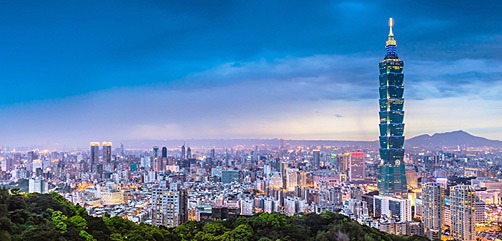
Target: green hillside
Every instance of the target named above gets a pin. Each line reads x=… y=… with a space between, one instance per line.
x=51 y=217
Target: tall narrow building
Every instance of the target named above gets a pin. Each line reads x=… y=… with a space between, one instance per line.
x=94 y=155
x=107 y=152
x=433 y=210
x=357 y=167
x=392 y=173
x=164 y=152
x=317 y=159
x=463 y=201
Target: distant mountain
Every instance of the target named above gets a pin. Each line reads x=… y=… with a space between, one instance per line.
x=448 y=139
x=451 y=139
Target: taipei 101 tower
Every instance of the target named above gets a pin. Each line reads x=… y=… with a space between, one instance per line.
x=392 y=173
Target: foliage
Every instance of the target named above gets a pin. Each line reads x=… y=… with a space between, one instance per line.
x=52 y=217
x=59 y=221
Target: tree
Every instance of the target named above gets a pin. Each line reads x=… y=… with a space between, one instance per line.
x=58 y=219
x=78 y=222
x=86 y=236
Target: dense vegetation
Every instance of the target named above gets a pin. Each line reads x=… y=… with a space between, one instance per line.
x=50 y=217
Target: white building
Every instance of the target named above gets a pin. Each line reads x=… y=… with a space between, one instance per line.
x=246 y=207
x=38 y=185
x=396 y=209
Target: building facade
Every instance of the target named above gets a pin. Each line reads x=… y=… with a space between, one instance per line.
x=463 y=201
x=391 y=174
x=169 y=205
x=107 y=152
x=395 y=209
x=94 y=155
x=433 y=210
x=357 y=168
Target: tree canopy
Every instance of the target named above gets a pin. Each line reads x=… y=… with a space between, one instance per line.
x=51 y=217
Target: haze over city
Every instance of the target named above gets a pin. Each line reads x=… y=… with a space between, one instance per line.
x=75 y=73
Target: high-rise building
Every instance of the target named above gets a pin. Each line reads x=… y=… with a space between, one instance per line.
x=480 y=211
x=94 y=155
x=213 y=154
x=291 y=178
x=391 y=174
x=155 y=152
x=107 y=152
x=357 y=167
x=317 y=159
x=183 y=152
x=433 y=210
x=343 y=162
x=463 y=201
x=164 y=152
x=189 y=153
x=170 y=205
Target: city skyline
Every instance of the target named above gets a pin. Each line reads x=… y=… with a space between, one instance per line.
x=189 y=71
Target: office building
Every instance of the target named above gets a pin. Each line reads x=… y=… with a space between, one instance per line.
x=433 y=210
x=107 y=152
x=316 y=163
x=94 y=155
x=357 y=167
x=229 y=176
x=463 y=201
x=391 y=174
x=164 y=152
x=155 y=152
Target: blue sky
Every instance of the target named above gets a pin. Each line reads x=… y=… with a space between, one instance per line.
x=118 y=70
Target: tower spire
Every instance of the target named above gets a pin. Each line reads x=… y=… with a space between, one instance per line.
x=391 y=40
x=391 y=23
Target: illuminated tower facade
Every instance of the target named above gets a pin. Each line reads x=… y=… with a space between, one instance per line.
x=94 y=155
x=392 y=173
x=107 y=152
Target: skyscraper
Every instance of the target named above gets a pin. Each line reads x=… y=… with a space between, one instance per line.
x=433 y=210
x=183 y=152
x=107 y=152
x=357 y=167
x=155 y=151
x=463 y=201
x=189 y=153
x=94 y=155
x=317 y=159
x=164 y=152
x=392 y=173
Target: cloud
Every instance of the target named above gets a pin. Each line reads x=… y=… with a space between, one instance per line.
x=293 y=97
